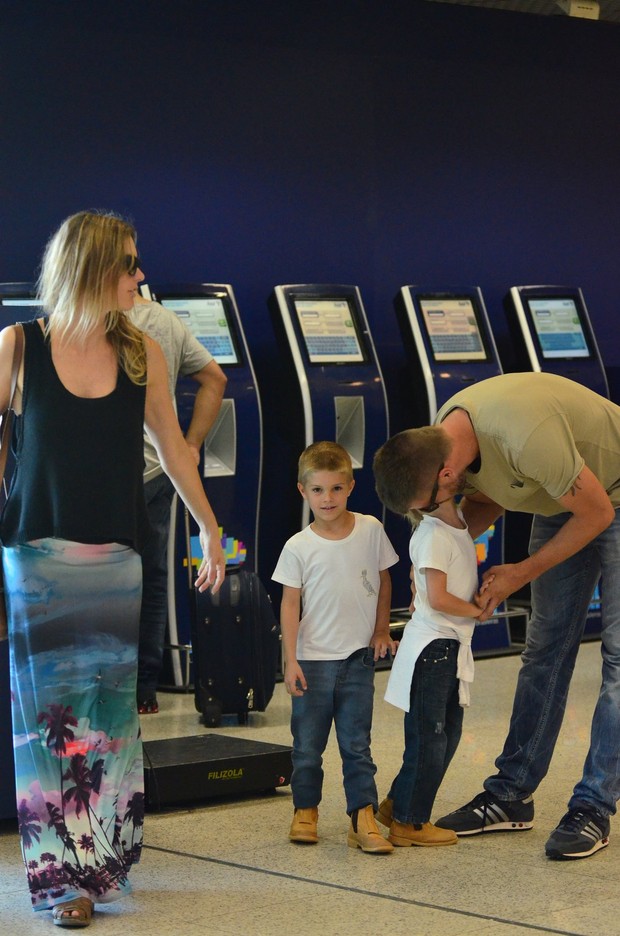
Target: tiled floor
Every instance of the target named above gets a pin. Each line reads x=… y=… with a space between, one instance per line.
x=227 y=868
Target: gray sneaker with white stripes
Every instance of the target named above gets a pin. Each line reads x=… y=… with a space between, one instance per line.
x=487 y=814
x=580 y=833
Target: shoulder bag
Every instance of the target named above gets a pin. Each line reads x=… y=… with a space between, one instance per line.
x=5 y=441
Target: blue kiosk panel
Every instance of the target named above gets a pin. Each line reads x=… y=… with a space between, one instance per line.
x=327 y=386
x=231 y=462
x=552 y=332
x=450 y=343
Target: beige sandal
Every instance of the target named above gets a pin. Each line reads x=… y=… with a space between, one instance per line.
x=62 y=914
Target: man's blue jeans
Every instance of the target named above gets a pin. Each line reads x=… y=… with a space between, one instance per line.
x=560 y=601
x=433 y=728
x=154 y=612
x=339 y=691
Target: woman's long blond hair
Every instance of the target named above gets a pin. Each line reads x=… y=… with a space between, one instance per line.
x=80 y=270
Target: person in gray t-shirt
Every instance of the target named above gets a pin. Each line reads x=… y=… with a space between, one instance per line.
x=187 y=357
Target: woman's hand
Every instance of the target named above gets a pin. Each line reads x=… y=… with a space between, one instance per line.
x=212 y=569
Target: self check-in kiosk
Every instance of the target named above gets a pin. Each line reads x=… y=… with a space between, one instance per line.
x=325 y=385
x=231 y=462
x=450 y=344
x=552 y=332
x=17 y=304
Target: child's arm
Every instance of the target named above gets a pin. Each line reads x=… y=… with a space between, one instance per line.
x=440 y=599
x=381 y=640
x=289 y=622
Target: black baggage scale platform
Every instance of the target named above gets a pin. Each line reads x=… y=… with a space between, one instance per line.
x=180 y=771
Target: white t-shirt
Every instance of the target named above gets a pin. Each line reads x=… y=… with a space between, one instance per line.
x=184 y=355
x=436 y=545
x=339 y=581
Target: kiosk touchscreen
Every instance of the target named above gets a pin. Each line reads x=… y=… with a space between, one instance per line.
x=327 y=386
x=450 y=345
x=552 y=332
x=231 y=462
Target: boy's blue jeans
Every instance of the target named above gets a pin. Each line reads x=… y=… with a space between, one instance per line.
x=339 y=691
x=560 y=601
x=433 y=728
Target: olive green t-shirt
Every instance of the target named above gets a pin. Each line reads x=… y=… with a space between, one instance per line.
x=536 y=431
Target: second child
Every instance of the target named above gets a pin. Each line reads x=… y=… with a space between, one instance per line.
x=335 y=626
x=432 y=670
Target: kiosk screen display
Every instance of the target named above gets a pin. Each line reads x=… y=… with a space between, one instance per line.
x=207 y=319
x=453 y=329
x=329 y=332
x=558 y=327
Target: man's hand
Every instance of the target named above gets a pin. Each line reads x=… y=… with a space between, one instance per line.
x=498 y=583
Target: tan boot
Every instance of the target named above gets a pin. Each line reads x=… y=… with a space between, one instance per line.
x=364 y=833
x=424 y=834
x=304 y=825
x=384 y=812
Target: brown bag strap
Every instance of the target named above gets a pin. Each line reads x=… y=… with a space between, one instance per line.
x=7 y=416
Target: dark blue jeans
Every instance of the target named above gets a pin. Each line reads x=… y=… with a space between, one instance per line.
x=154 y=611
x=339 y=691
x=433 y=728
x=560 y=601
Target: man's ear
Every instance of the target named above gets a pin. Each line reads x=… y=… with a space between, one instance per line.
x=300 y=488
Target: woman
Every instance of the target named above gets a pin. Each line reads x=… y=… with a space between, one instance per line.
x=72 y=530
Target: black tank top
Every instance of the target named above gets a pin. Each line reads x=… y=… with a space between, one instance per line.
x=79 y=461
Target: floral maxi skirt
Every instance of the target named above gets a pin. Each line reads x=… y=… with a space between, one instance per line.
x=73 y=613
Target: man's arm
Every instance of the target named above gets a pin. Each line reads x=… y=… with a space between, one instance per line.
x=479 y=512
x=591 y=513
x=212 y=380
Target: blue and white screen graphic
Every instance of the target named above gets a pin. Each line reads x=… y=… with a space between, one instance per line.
x=206 y=319
x=329 y=331
x=559 y=328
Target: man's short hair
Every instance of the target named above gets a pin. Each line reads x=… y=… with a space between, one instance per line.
x=324 y=456
x=407 y=465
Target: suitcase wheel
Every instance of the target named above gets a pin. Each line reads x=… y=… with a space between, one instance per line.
x=212 y=714
x=210 y=708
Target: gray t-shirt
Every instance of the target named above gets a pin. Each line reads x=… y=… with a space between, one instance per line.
x=536 y=431
x=184 y=355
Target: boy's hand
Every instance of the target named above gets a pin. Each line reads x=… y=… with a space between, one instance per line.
x=382 y=644
x=294 y=679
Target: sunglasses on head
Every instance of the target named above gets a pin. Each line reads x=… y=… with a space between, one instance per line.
x=132 y=263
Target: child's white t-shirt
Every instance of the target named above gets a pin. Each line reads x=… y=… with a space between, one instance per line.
x=436 y=545
x=339 y=581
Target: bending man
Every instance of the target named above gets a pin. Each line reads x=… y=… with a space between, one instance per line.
x=539 y=444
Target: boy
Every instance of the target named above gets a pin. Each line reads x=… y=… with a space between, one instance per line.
x=335 y=625
x=433 y=668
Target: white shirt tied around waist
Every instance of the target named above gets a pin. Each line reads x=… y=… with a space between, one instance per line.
x=416 y=637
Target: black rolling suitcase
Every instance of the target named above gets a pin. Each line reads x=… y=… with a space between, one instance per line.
x=235 y=648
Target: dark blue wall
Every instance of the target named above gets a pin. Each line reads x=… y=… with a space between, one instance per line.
x=359 y=141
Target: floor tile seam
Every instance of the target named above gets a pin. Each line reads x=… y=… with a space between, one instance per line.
x=359 y=891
